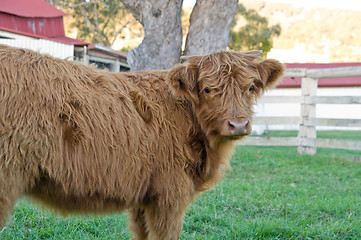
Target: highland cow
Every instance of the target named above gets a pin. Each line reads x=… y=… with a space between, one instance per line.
x=82 y=140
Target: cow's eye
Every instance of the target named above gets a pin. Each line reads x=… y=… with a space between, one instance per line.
x=251 y=88
x=207 y=90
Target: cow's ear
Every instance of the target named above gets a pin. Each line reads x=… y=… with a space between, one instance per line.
x=270 y=71
x=182 y=80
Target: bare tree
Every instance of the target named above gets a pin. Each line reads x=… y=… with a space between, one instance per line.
x=210 y=25
x=162 y=44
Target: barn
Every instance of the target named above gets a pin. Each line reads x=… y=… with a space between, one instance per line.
x=37 y=25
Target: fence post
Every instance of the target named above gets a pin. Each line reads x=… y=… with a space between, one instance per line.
x=307 y=130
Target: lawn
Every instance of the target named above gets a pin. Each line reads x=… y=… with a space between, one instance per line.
x=270 y=193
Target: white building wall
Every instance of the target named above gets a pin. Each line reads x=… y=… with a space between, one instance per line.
x=55 y=49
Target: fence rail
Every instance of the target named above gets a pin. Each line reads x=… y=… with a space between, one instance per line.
x=311 y=99
x=295 y=142
x=307 y=141
x=323 y=72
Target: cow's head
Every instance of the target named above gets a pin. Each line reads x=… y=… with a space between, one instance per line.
x=223 y=88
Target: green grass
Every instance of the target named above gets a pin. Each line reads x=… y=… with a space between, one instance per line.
x=275 y=193
x=270 y=193
x=30 y=221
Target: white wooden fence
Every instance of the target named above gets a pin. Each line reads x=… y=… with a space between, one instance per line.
x=307 y=141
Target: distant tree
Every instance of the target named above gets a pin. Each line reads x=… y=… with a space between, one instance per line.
x=97 y=21
x=60 y=3
x=254 y=33
x=55 y=3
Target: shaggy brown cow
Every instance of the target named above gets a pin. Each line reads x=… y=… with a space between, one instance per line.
x=83 y=140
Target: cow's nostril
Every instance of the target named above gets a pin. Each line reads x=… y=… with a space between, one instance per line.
x=231 y=126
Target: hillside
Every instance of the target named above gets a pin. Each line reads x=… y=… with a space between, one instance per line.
x=312 y=35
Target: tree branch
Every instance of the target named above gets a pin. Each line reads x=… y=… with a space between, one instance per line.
x=116 y=33
x=210 y=24
x=136 y=7
x=90 y=26
x=82 y=4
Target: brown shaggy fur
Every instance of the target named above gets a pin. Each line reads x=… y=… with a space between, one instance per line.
x=82 y=140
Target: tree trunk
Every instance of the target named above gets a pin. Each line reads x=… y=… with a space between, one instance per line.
x=161 y=46
x=210 y=25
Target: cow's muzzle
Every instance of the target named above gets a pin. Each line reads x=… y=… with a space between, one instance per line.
x=239 y=127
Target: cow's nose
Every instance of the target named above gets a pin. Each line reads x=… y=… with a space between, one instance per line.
x=239 y=127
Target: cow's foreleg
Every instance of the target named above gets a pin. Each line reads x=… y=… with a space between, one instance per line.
x=11 y=187
x=6 y=205
x=138 y=224
x=163 y=223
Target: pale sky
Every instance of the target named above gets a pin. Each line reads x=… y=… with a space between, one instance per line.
x=342 y=4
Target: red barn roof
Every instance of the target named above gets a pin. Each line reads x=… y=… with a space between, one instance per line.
x=29 y=8
x=288 y=82
x=34 y=18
